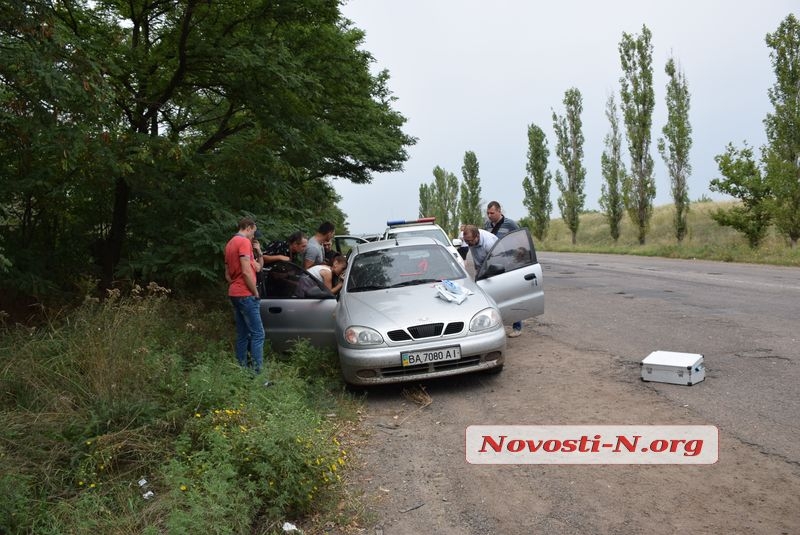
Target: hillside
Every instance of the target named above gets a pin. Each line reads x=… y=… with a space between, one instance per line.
x=706 y=239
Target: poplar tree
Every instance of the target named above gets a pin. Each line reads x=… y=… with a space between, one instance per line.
x=782 y=154
x=536 y=183
x=425 y=201
x=469 y=207
x=638 y=101
x=443 y=200
x=569 y=149
x=613 y=170
x=674 y=147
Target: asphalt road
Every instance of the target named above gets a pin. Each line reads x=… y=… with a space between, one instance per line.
x=744 y=319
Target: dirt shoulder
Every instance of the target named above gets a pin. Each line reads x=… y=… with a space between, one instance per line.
x=411 y=475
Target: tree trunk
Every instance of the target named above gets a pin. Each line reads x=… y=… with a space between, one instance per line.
x=112 y=246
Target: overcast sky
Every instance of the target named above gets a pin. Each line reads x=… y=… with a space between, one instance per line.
x=472 y=75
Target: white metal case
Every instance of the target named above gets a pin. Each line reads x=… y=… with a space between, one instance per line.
x=675 y=368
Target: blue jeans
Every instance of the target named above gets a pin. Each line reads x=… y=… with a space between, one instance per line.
x=517 y=326
x=249 y=331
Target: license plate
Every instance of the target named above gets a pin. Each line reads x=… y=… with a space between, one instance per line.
x=412 y=358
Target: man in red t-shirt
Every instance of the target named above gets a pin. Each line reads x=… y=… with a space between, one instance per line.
x=244 y=295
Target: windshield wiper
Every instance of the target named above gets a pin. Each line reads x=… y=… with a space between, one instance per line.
x=366 y=288
x=414 y=282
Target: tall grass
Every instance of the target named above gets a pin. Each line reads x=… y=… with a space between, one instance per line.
x=706 y=239
x=145 y=388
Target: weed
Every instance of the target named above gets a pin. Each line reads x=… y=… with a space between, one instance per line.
x=142 y=387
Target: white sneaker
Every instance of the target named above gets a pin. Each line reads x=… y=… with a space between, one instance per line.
x=514 y=333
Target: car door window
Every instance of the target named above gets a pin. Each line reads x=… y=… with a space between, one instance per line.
x=345 y=244
x=284 y=280
x=513 y=251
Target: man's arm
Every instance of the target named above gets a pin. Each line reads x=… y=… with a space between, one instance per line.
x=249 y=276
x=270 y=258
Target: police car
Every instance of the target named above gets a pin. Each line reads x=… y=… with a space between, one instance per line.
x=425 y=227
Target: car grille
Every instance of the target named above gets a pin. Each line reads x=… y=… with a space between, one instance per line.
x=394 y=371
x=427 y=330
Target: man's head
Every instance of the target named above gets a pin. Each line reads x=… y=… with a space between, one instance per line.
x=494 y=212
x=297 y=242
x=326 y=230
x=471 y=235
x=247 y=227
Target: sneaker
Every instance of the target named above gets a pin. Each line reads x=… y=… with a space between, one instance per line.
x=514 y=333
x=269 y=383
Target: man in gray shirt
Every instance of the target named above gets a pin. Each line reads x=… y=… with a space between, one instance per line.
x=315 y=251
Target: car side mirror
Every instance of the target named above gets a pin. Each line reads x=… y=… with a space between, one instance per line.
x=456 y=243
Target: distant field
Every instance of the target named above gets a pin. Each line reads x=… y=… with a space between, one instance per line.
x=706 y=239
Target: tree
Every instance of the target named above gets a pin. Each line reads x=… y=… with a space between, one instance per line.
x=783 y=128
x=425 y=200
x=639 y=188
x=613 y=170
x=536 y=183
x=744 y=181
x=674 y=147
x=121 y=120
x=469 y=206
x=444 y=194
x=569 y=149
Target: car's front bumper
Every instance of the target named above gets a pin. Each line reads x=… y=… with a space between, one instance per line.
x=381 y=365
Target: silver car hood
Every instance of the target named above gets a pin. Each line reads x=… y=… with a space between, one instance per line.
x=398 y=308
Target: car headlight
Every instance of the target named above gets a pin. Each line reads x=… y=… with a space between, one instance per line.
x=362 y=336
x=485 y=319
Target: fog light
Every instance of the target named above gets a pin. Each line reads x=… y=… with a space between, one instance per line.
x=494 y=355
x=367 y=374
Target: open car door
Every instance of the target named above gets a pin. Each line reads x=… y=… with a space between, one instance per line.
x=295 y=305
x=512 y=276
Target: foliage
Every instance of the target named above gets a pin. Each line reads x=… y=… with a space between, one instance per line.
x=569 y=149
x=536 y=183
x=638 y=101
x=783 y=128
x=469 y=205
x=674 y=147
x=440 y=198
x=142 y=387
x=425 y=200
x=613 y=170
x=122 y=120
x=744 y=181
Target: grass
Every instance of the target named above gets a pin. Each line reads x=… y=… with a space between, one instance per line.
x=144 y=388
x=705 y=240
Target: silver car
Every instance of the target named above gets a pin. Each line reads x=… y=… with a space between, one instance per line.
x=392 y=322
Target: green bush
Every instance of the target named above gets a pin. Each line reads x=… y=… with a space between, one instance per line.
x=142 y=387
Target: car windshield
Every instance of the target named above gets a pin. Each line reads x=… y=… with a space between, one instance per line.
x=431 y=232
x=401 y=266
